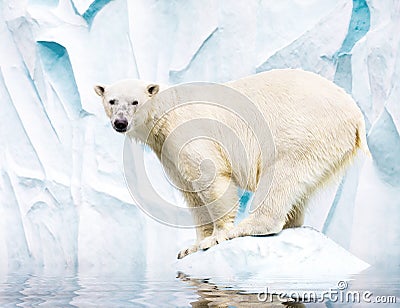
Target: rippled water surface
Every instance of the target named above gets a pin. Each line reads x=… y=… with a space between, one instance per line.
x=32 y=291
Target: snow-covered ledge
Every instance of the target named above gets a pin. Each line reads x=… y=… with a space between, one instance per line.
x=253 y=264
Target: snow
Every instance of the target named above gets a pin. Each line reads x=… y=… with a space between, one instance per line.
x=253 y=263
x=64 y=203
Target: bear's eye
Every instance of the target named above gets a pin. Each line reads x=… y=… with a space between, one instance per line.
x=135 y=102
x=112 y=102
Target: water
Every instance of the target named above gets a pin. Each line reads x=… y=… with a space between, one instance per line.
x=181 y=291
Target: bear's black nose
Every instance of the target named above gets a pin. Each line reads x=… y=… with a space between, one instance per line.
x=121 y=125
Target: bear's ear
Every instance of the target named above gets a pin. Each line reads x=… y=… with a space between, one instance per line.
x=99 y=90
x=152 y=89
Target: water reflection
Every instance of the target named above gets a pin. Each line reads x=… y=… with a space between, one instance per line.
x=181 y=291
x=28 y=291
x=211 y=295
x=33 y=291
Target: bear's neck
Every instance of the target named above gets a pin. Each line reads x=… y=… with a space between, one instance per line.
x=155 y=130
x=153 y=133
x=158 y=133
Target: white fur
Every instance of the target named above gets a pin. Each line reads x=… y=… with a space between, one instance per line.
x=316 y=127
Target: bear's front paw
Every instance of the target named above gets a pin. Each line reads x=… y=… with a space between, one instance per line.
x=184 y=252
x=213 y=240
x=234 y=233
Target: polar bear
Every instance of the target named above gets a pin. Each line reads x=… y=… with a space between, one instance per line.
x=316 y=128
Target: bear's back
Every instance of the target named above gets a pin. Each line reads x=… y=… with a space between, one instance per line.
x=292 y=98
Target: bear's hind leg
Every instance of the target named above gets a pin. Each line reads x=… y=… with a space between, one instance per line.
x=295 y=218
x=273 y=207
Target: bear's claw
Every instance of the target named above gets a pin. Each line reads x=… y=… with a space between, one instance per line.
x=184 y=252
x=205 y=244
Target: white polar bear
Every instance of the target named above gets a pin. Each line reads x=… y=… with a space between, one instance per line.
x=316 y=129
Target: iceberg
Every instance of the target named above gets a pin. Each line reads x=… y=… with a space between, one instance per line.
x=256 y=263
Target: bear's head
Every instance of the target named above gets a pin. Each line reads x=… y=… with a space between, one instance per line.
x=123 y=100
